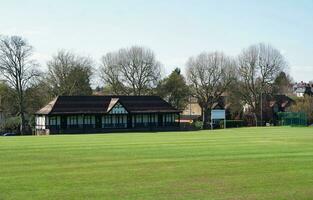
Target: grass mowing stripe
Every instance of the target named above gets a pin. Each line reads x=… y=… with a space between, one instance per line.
x=245 y=163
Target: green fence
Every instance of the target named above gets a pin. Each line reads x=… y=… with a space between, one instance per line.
x=292 y=119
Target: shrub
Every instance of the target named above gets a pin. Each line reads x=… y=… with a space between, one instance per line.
x=304 y=104
x=11 y=124
x=198 y=125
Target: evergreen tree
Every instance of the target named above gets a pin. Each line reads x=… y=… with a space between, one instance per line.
x=174 y=89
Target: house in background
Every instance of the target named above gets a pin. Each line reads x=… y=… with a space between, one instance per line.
x=193 y=110
x=84 y=114
x=271 y=106
x=302 y=88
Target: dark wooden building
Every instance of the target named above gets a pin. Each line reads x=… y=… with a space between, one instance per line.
x=85 y=114
x=274 y=104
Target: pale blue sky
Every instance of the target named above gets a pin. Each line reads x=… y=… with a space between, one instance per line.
x=173 y=29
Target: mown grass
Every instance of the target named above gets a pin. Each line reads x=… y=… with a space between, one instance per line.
x=247 y=163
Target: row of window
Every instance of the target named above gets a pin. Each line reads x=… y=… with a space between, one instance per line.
x=141 y=118
x=93 y=126
x=109 y=119
x=169 y=118
x=71 y=120
x=114 y=119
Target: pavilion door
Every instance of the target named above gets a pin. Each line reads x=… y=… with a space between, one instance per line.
x=129 y=121
x=98 y=121
x=160 y=120
x=63 y=122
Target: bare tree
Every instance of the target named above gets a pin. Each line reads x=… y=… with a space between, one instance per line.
x=18 y=69
x=110 y=73
x=258 y=67
x=210 y=74
x=69 y=74
x=131 y=71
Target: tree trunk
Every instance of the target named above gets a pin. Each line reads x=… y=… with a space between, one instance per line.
x=206 y=120
x=21 y=111
x=22 y=126
x=255 y=118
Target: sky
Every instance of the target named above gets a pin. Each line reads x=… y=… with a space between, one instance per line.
x=173 y=29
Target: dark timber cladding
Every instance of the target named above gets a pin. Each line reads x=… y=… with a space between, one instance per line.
x=78 y=114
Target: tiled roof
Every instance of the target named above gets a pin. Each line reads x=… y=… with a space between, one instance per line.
x=281 y=100
x=300 y=90
x=48 y=107
x=101 y=104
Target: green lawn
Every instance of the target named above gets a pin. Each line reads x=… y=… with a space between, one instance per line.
x=247 y=163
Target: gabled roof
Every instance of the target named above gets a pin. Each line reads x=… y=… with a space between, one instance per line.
x=281 y=100
x=112 y=103
x=103 y=104
x=47 y=109
x=300 y=90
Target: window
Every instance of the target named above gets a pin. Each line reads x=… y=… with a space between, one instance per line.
x=118 y=109
x=53 y=120
x=72 y=120
x=139 y=119
x=120 y=119
x=87 y=119
x=169 y=118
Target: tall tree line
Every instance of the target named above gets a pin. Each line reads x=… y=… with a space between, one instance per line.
x=130 y=71
x=18 y=70
x=257 y=70
x=210 y=75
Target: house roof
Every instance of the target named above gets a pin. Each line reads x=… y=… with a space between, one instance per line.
x=281 y=100
x=47 y=109
x=300 y=90
x=103 y=104
x=112 y=103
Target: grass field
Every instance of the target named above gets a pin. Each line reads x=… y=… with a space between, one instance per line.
x=248 y=163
